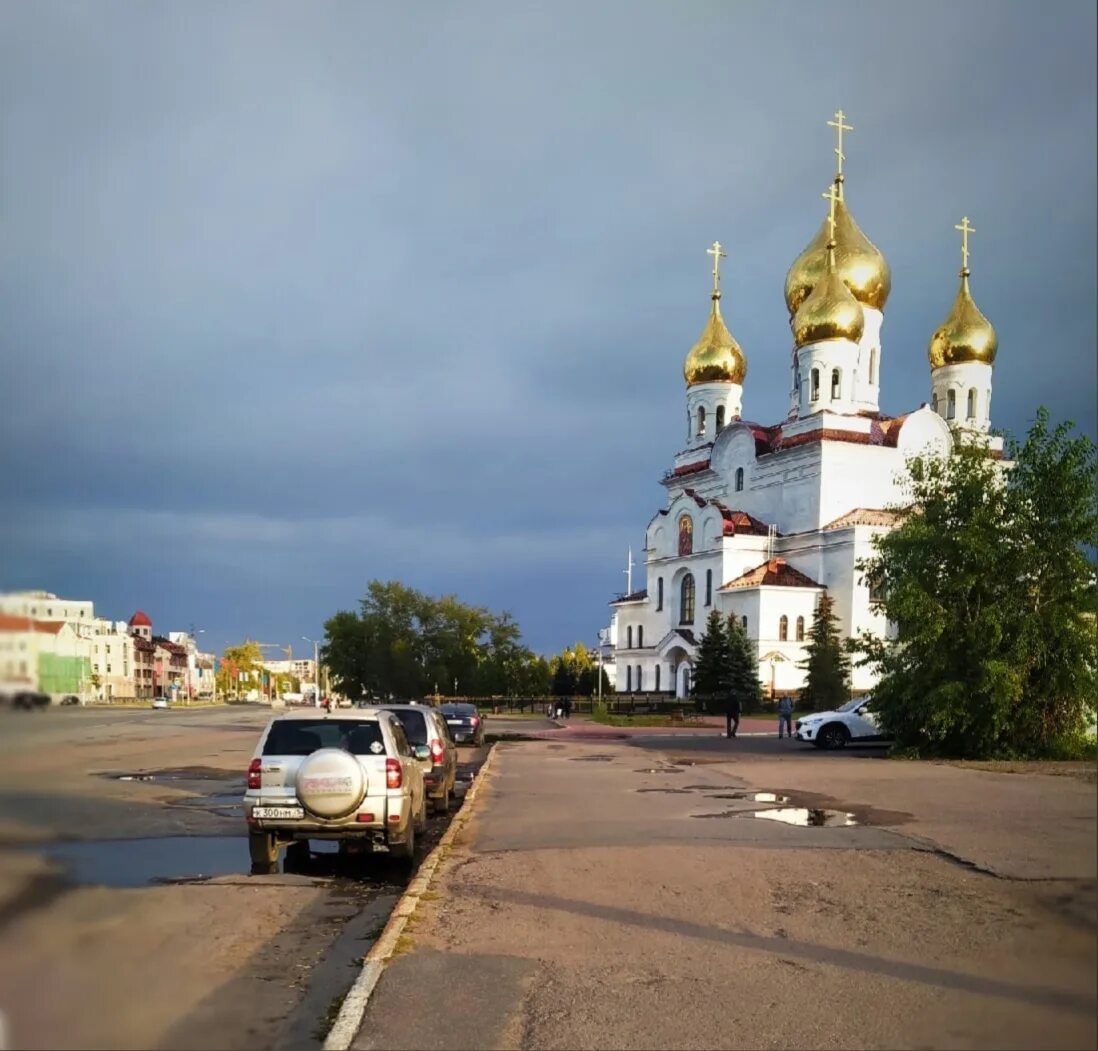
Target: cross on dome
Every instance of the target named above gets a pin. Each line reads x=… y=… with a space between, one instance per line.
x=718 y=254
x=965 y=231
x=840 y=126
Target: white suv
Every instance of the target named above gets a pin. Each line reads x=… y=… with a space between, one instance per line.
x=349 y=776
x=854 y=721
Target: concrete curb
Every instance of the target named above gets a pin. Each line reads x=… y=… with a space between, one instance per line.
x=353 y=1009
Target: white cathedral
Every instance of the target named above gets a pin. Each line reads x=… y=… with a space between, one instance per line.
x=762 y=520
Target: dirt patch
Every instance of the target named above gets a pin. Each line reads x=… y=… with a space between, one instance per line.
x=1086 y=772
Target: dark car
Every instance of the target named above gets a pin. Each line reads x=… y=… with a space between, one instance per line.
x=30 y=699
x=465 y=723
x=433 y=746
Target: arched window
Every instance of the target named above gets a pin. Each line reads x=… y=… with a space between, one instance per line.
x=739 y=479
x=640 y=636
x=709 y=587
x=659 y=593
x=934 y=402
x=744 y=622
x=800 y=629
x=629 y=637
x=987 y=404
x=836 y=384
x=951 y=404
x=629 y=677
x=640 y=678
x=972 y=403
x=815 y=384
x=657 y=677
x=686 y=535
x=873 y=365
x=701 y=420
x=783 y=628
x=720 y=418
x=686 y=604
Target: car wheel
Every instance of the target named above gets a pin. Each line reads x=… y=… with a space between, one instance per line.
x=834 y=736
x=442 y=806
x=421 y=818
x=298 y=856
x=263 y=848
x=405 y=852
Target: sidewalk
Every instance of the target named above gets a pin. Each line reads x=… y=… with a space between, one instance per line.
x=587 y=906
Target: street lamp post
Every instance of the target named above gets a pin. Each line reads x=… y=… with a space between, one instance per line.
x=316 y=668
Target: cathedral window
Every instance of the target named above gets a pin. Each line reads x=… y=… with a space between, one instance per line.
x=686 y=605
x=815 y=384
x=659 y=593
x=701 y=420
x=720 y=418
x=951 y=404
x=876 y=590
x=629 y=677
x=783 y=628
x=709 y=587
x=873 y=365
x=629 y=637
x=836 y=384
x=743 y=620
x=640 y=678
x=657 y=676
x=640 y=636
x=686 y=535
x=934 y=402
x=972 y=403
x=800 y=629
x=739 y=479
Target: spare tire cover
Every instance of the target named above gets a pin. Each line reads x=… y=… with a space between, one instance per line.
x=331 y=783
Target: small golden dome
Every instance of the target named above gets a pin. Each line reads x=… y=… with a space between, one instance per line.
x=716 y=357
x=858 y=262
x=830 y=311
x=965 y=335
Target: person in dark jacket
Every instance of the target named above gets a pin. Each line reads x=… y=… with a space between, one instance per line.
x=731 y=714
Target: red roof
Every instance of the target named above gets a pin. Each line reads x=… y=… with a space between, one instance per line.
x=690 y=468
x=10 y=622
x=143 y=644
x=777 y=573
x=140 y=620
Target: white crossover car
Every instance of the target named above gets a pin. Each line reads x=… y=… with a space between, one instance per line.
x=345 y=776
x=853 y=722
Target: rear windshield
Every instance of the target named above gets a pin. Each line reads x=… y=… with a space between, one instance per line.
x=414 y=723
x=305 y=736
x=464 y=710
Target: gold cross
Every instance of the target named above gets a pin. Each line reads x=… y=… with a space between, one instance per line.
x=833 y=196
x=965 y=231
x=840 y=127
x=717 y=255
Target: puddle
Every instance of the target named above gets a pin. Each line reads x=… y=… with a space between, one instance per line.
x=591 y=759
x=184 y=773
x=139 y=862
x=807 y=818
x=751 y=797
x=669 y=791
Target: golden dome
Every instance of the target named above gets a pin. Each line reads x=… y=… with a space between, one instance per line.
x=716 y=357
x=829 y=311
x=965 y=335
x=858 y=262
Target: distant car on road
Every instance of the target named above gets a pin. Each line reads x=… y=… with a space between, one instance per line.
x=434 y=747
x=347 y=776
x=853 y=722
x=160 y=702
x=70 y=699
x=465 y=723
x=30 y=699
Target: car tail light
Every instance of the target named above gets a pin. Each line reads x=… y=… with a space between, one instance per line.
x=255 y=773
x=365 y=818
x=394 y=774
x=476 y=720
x=437 y=751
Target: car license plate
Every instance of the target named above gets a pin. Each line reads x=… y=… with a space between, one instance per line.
x=454 y=722
x=261 y=813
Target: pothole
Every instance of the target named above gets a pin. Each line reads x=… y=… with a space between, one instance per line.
x=668 y=791
x=591 y=758
x=139 y=862
x=805 y=817
x=753 y=797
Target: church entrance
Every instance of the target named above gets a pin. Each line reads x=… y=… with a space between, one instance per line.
x=682 y=680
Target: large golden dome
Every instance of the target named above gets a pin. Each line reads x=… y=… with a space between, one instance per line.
x=858 y=262
x=829 y=311
x=716 y=357
x=965 y=335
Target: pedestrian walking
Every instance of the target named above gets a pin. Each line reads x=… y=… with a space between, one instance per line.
x=785 y=716
x=731 y=714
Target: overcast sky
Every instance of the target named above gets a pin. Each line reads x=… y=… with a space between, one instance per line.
x=293 y=296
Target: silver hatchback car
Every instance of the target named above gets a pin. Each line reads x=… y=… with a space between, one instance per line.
x=433 y=746
x=349 y=776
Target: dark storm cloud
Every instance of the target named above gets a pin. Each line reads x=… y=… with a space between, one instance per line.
x=297 y=296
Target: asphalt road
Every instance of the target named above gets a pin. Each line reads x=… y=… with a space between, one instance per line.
x=127 y=914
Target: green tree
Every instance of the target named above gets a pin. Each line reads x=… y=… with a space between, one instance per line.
x=743 y=667
x=826 y=665
x=988 y=583
x=564 y=679
x=712 y=667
